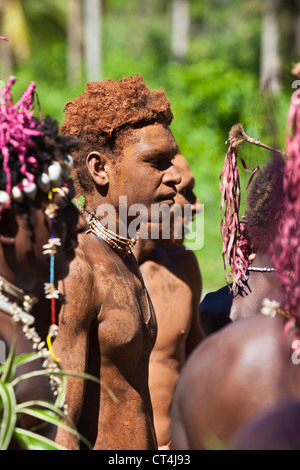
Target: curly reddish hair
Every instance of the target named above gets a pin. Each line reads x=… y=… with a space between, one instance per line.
x=103 y=117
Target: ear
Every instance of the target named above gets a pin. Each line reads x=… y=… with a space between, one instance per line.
x=98 y=165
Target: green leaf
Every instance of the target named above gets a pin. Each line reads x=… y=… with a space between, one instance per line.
x=9 y=416
x=51 y=415
x=32 y=441
x=23 y=359
x=60 y=400
x=9 y=367
x=40 y=403
x=45 y=415
x=51 y=372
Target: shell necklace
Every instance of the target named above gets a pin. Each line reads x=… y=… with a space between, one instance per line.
x=125 y=247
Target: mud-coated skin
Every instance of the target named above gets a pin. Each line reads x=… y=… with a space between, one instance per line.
x=102 y=330
x=173 y=280
x=234 y=374
x=108 y=321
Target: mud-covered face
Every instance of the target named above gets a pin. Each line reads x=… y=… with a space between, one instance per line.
x=146 y=174
x=185 y=201
x=171 y=230
x=185 y=190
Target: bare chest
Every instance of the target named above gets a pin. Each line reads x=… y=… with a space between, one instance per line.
x=172 y=300
x=126 y=320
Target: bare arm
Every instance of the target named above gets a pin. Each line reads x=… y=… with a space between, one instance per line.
x=71 y=344
x=195 y=335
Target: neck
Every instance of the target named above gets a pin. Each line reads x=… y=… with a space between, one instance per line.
x=119 y=243
x=266 y=277
x=109 y=215
x=262 y=261
x=144 y=249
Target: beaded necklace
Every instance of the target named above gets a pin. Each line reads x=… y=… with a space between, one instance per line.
x=122 y=244
x=125 y=247
x=261 y=270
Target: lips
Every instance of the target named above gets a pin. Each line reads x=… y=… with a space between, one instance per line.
x=168 y=198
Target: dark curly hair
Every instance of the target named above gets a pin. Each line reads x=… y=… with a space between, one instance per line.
x=264 y=205
x=45 y=148
x=104 y=115
x=51 y=145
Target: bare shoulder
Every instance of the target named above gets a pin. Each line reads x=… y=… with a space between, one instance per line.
x=80 y=268
x=215 y=391
x=229 y=360
x=78 y=289
x=188 y=263
x=235 y=346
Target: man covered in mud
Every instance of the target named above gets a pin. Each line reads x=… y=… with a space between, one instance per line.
x=108 y=327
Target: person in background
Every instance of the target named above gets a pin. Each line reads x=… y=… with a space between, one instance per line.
x=264 y=206
x=38 y=223
x=250 y=368
x=173 y=279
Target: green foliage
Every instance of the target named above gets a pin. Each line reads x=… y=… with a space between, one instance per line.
x=46 y=412
x=216 y=86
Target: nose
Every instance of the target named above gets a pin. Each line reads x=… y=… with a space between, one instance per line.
x=172 y=175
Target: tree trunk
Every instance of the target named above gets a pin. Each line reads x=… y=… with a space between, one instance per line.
x=180 y=28
x=297 y=35
x=294 y=9
x=74 y=41
x=6 y=57
x=93 y=39
x=270 y=61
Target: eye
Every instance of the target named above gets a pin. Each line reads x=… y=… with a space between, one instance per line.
x=154 y=162
x=161 y=163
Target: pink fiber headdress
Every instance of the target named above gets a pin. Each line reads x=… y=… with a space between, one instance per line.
x=236 y=249
x=17 y=126
x=286 y=249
